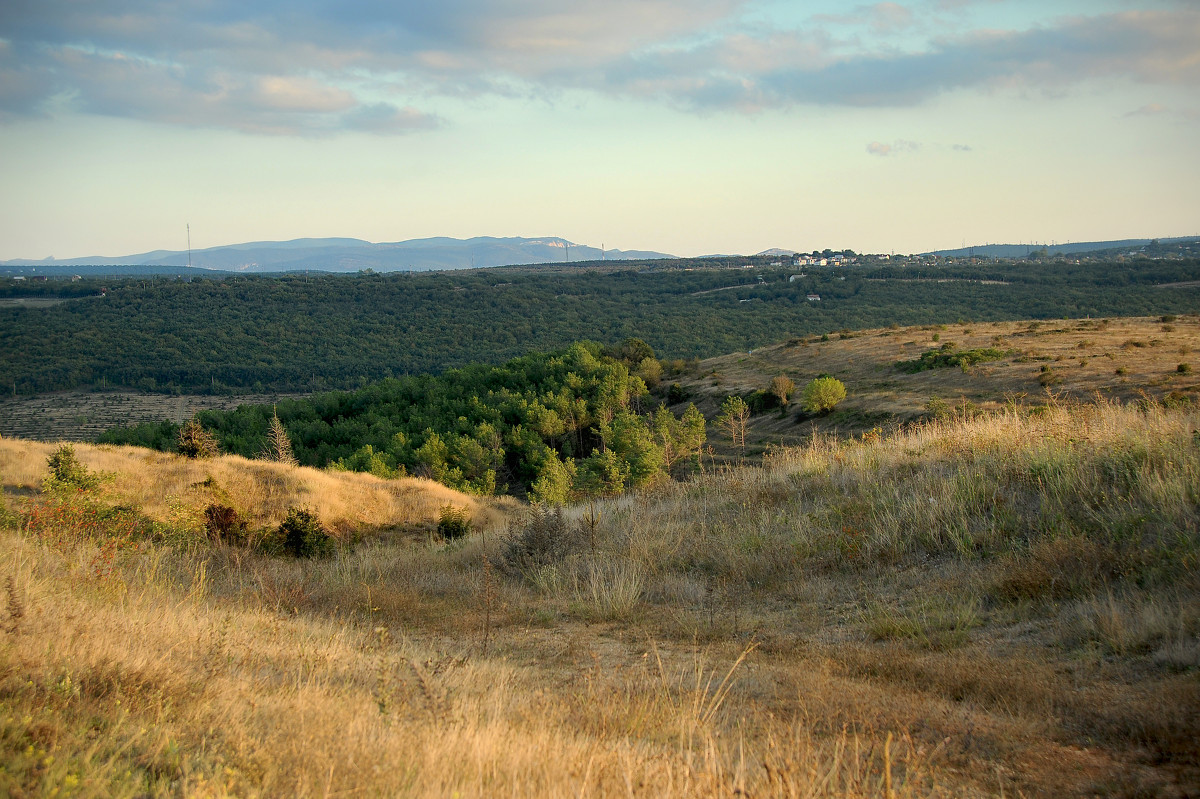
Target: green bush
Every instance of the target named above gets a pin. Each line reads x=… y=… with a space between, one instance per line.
x=948 y=355
x=453 y=522
x=938 y=408
x=822 y=395
x=67 y=471
x=1183 y=368
x=303 y=535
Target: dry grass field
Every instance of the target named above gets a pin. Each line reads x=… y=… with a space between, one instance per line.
x=1004 y=604
x=1121 y=359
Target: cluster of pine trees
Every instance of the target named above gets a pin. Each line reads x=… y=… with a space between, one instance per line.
x=550 y=425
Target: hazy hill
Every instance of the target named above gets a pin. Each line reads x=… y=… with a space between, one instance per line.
x=352 y=255
x=1060 y=248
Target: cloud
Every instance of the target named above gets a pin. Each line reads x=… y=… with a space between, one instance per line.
x=314 y=67
x=282 y=66
x=1149 y=110
x=895 y=148
x=140 y=88
x=1160 y=110
x=383 y=118
x=1149 y=47
x=879 y=18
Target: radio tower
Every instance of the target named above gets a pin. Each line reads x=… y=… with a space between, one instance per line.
x=189 y=227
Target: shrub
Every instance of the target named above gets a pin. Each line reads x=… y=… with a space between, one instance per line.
x=822 y=395
x=544 y=540
x=1059 y=568
x=938 y=408
x=66 y=470
x=1183 y=368
x=196 y=442
x=760 y=401
x=1177 y=400
x=303 y=535
x=948 y=355
x=224 y=524
x=781 y=387
x=453 y=522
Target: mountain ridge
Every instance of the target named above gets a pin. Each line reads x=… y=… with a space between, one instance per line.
x=351 y=255
x=1061 y=248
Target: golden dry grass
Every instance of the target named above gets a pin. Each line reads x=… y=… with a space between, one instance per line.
x=171 y=488
x=1120 y=359
x=158 y=682
x=1005 y=605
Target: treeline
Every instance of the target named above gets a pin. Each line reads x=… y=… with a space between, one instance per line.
x=295 y=333
x=568 y=423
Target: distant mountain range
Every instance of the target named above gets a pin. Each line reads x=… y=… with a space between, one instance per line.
x=352 y=255
x=1069 y=248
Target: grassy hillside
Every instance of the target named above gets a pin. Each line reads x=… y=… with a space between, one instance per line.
x=173 y=491
x=1121 y=359
x=980 y=606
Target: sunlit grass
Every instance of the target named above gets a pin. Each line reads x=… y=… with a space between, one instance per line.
x=985 y=605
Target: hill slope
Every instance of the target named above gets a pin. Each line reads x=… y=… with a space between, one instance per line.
x=1004 y=605
x=173 y=490
x=1058 y=248
x=1124 y=359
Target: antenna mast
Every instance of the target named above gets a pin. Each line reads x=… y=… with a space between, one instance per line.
x=189 y=227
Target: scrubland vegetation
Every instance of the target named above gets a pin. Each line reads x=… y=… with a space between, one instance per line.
x=296 y=333
x=1002 y=603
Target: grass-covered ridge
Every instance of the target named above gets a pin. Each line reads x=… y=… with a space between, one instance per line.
x=1004 y=604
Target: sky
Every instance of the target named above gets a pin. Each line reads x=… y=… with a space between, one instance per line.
x=689 y=127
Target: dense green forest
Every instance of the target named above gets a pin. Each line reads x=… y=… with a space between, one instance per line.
x=553 y=425
x=306 y=333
